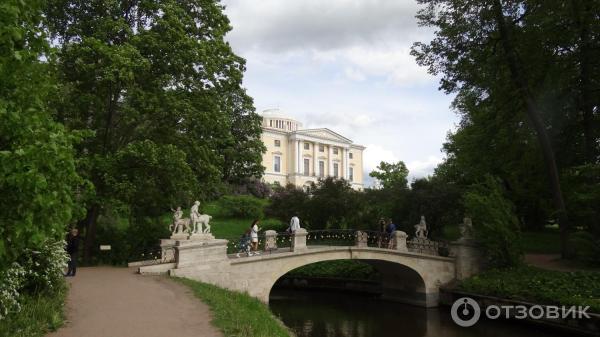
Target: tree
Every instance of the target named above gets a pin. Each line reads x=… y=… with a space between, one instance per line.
x=527 y=62
x=38 y=179
x=159 y=71
x=391 y=175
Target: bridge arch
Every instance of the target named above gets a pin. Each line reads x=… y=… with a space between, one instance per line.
x=407 y=277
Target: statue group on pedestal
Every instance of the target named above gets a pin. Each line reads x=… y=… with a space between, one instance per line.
x=197 y=223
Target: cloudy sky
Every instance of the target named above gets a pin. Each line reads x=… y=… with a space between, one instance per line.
x=345 y=65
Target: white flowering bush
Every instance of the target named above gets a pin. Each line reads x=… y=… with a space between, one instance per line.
x=11 y=282
x=37 y=271
x=45 y=266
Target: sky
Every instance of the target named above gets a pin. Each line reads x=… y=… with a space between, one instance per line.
x=345 y=65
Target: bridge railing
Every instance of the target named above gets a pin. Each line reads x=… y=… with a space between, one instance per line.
x=271 y=241
x=154 y=255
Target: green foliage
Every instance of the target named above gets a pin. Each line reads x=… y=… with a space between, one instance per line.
x=333 y=204
x=160 y=91
x=391 y=175
x=38 y=176
x=287 y=202
x=237 y=314
x=346 y=269
x=242 y=206
x=495 y=224
x=538 y=286
x=40 y=313
x=546 y=241
x=149 y=177
x=585 y=248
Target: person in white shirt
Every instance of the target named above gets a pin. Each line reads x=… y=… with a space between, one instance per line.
x=294 y=224
x=254 y=236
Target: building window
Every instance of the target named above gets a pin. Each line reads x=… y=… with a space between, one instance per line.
x=277 y=163
x=277 y=143
x=321 y=148
x=321 y=168
x=335 y=170
x=351 y=174
x=350 y=155
x=335 y=150
x=306 y=166
x=306 y=146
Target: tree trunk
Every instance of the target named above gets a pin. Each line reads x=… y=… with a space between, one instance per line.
x=89 y=224
x=519 y=79
x=581 y=16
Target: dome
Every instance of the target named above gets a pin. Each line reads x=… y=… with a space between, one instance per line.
x=276 y=119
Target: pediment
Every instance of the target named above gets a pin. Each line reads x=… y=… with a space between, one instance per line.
x=324 y=133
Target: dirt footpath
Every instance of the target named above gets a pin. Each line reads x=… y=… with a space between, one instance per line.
x=116 y=302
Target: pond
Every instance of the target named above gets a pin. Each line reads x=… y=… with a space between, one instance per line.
x=337 y=314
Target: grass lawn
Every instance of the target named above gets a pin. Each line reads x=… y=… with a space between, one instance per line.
x=237 y=314
x=539 y=285
x=39 y=315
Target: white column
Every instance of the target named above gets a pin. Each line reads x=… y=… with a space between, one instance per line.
x=347 y=163
x=315 y=161
x=330 y=161
x=298 y=156
x=343 y=166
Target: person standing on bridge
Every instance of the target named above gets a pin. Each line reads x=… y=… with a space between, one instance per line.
x=254 y=235
x=389 y=230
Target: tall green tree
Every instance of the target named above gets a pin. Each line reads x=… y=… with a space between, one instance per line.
x=391 y=175
x=528 y=63
x=156 y=70
x=38 y=178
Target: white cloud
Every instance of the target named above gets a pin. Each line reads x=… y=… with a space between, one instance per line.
x=423 y=168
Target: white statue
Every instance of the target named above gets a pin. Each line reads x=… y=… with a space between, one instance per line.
x=204 y=219
x=466 y=228
x=294 y=224
x=180 y=224
x=195 y=216
x=421 y=228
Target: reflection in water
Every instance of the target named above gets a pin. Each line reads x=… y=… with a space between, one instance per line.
x=320 y=314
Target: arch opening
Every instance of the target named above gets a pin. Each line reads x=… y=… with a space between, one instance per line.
x=388 y=281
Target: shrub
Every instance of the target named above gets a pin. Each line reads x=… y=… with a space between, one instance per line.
x=585 y=248
x=241 y=206
x=495 y=223
x=45 y=266
x=11 y=281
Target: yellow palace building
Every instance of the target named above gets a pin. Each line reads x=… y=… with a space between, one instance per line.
x=300 y=156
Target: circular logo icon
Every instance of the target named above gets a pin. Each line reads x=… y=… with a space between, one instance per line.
x=465 y=312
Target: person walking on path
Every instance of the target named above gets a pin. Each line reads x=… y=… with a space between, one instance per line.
x=72 y=250
x=254 y=235
x=294 y=224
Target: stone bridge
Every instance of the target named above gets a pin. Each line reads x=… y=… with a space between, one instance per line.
x=409 y=273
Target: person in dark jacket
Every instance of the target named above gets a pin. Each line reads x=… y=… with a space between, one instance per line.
x=72 y=250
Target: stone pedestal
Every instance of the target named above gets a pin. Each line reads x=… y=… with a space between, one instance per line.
x=167 y=250
x=179 y=236
x=468 y=258
x=190 y=252
x=270 y=240
x=299 y=240
x=361 y=240
x=201 y=237
x=400 y=241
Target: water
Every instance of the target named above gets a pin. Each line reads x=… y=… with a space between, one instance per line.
x=321 y=314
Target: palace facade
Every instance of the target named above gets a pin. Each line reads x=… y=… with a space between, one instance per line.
x=300 y=156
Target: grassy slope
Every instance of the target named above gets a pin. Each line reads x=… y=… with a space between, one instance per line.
x=237 y=314
x=39 y=314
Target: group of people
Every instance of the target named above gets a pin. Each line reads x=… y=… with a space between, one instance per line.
x=249 y=240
